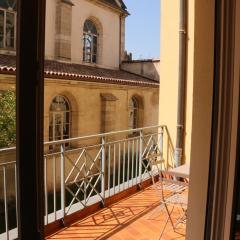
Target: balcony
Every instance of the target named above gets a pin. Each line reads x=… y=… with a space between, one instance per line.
x=139 y=216
x=85 y=174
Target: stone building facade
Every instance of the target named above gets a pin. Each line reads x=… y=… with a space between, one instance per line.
x=86 y=91
x=84 y=50
x=148 y=68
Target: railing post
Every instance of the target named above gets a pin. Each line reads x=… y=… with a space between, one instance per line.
x=103 y=157
x=5 y=201
x=85 y=179
x=140 y=157
x=63 y=181
x=161 y=144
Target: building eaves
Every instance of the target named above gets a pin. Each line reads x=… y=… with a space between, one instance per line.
x=112 y=3
x=79 y=72
x=142 y=61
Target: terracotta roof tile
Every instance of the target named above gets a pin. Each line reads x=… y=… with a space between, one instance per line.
x=80 y=72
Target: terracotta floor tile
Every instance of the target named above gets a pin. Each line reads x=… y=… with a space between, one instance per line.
x=137 y=217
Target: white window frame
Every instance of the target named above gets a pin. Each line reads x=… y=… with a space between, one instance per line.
x=52 y=114
x=92 y=54
x=4 y=28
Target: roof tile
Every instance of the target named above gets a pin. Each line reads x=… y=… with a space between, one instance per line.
x=80 y=72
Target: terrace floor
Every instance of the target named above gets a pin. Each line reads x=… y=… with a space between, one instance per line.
x=139 y=216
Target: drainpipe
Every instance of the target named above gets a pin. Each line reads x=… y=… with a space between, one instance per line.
x=120 y=40
x=181 y=83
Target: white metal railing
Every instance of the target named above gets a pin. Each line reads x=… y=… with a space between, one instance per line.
x=89 y=170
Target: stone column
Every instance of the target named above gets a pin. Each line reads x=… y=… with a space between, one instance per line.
x=122 y=38
x=63 y=29
x=108 y=112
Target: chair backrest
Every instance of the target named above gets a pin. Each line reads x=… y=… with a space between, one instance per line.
x=171 y=184
x=156 y=168
x=157 y=164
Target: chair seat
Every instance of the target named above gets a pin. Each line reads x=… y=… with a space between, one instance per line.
x=169 y=186
x=177 y=199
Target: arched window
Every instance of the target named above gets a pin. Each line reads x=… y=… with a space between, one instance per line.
x=8 y=24
x=59 y=119
x=133 y=113
x=90 y=41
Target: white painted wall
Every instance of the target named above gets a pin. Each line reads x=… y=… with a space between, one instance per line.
x=82 y=10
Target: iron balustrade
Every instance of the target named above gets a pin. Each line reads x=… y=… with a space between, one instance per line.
x=79 y=172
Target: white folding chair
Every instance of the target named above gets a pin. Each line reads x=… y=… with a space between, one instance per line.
x=176 y=197
x=173 y=193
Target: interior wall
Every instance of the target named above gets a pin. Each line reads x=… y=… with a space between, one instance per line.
x=169 y=69
x=169 y=72
x=234 y=129
x=203 y=74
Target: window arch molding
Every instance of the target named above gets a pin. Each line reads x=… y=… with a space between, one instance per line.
x=99 y=45
x=135 y=112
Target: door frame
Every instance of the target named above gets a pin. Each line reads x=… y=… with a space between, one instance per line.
x=225 y=123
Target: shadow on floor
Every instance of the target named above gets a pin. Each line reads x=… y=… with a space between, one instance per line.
x=138 y=217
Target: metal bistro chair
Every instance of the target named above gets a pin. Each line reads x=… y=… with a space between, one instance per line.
x=173 y=193
x=177 y=197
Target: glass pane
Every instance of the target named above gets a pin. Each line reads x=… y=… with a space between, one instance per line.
x=94 y=45
x=134 y=102
x=131 y=119
x=8 y=4
x=66 y=117
x=58 y=138
x=12 y=4
x=7 y=128
x=131 y=103
x=89 y=43
x=89 y=27
x=94 y=49
x=50 y=133
x=10 y=30
x=95 y=40
x=94 y=58
x=66 y=129
x=58 y=119
x=4 y=4
x=58 y=131
x=85 y=28
x=88 y=58
x=59 y=103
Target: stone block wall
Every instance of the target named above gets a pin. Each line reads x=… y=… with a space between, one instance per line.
x=108 y=112
x=63 y=29
x=148 y=68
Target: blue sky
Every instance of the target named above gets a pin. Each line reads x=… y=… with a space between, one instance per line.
x=143 y=28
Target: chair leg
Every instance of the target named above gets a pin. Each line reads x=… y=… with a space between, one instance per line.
x=169 y=214
x=166 y=223
x=182 y=219
x=169 y=218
